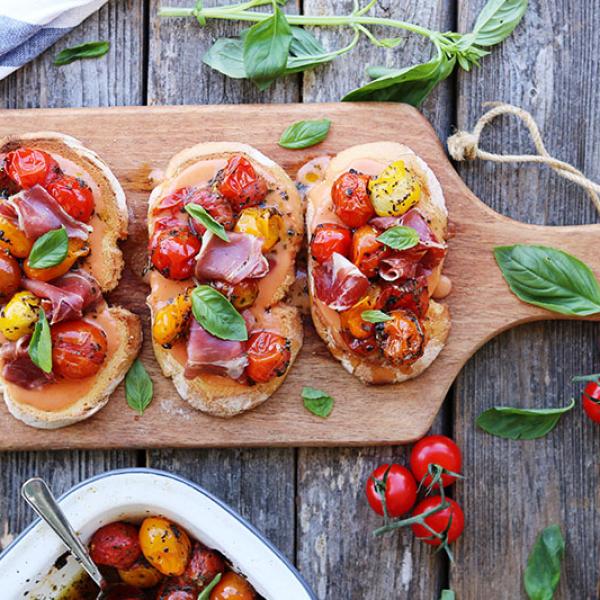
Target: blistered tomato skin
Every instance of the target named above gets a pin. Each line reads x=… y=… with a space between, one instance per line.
x=10 y=274
x=264 y=223
x=171 y=319
x=216 y=206
x=367 y=252
x=241 y=185
x=351 y=200
x=115 y=545
x=412 y=295
x=177 y=589
x=395 y=191
x=268 y=356
x=173 y=253
x=13 y=239
x=77 y=249
x=165 y=545
x=329 y=238
x=232 y=587
x=205 y=564
x=402 y=339
x=141 y=574
x=351 y=320
x=19 y=316
x=74 y=196
x=28 y=167
x=242 y=295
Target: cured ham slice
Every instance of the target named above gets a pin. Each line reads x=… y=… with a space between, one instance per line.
x=240 y=258
x=38 y=212
x=339 y=283
x=18 y=368
x=404 y=265
x=209 y=354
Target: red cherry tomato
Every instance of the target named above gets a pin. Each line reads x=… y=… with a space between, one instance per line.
x=363 y=347
x=116 y=545
x=74 y=195
x=78 y=349
x=173 y=252
x=400 y=490
x=329 y=238
x=351 y=200
x=268 y=356
x=411 y=294
x=241 y=185
x=175 y=588
x=439 y=450
x=232 y=587
x=28 y=167
x=439 y=521
x=401 y=339
x=216 y=206
x=205 y=564
x=591 y=400
x=10 y=274
x=367 y=252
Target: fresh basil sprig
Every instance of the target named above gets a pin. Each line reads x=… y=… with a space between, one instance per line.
x=375 y=316
x=49 y=249
x=205 y=593
x=138 y=387
x=399 y=237
x=40 y=345
x=521 y=423
x=317 y=402
x=304 y=134
x=550 y=278
x=85 y=50
x=203 y=216
x=542 y=573
x=217 y=315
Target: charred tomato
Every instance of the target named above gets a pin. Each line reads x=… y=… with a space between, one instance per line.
x=240 y=184
x=329 y=238
x=351 y=201
x=28 y=167
x=205 y=564
x=173 y=252
x=74 y=195
x=401 y=339
x=411 y=294
x=367 y=251
x=115 y=545
x=268 y=356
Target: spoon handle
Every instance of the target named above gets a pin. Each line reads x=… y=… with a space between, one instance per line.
x=40 y=498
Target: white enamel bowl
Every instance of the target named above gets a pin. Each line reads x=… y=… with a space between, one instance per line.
x=27 y=568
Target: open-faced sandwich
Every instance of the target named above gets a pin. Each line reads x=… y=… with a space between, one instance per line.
x=377 y=226
x=225 y=226
x=62 y=212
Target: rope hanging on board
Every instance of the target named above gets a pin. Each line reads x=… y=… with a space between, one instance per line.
x=464 y=145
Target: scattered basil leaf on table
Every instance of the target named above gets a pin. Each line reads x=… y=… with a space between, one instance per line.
x=217 y=315
x=448 y=595
x=85 y=50
x=542 y=573
x=226 y=55
x=375 y=316
x=205 y=593
x=521 y=423
x=317 y=402
x=549 y=278
x=399 y=237
x=40 y=345
x=202 y=216
x=138 y=387
x=49 y=249
x=497 y=20
x=304 y=134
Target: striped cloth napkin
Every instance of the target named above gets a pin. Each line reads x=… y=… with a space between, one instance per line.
x=28 y=27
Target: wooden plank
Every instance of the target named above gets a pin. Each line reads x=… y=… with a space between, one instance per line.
x=114 y=79
x=334 y=520
x=514 y=489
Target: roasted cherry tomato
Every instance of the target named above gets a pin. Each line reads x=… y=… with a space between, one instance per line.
x=402 y=339
x=400 y=490
x=7 y=186
x=174 y=588
x=241 y=185
x=591 y=400
x=78 y=349
x=141 y=574
x=171 y=319
x=28 y=167
x=439 y=450
x=351 y=200
x=395 y=190
x=268 y=356
x=13 y=239
x=115 y=545
x=216 y=206
x=74 y=195
x=366 y=251
x=351 y=320
x=242 y=295
x=264 y=223
x=10 y=274
x=366 y=347
x=19 y=315
x=329 y=238
x=205 y=564
x=439 y=521
x=232 y=587
x=124 y=592
x=173 y=252
x=165 y=545
x=411 y=294
x=77 y=249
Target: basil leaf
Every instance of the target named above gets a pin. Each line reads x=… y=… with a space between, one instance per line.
x=217 y=315
x=205 y=593
x=226 y=55
x=49 y=249
x=549 y=278
x=521 y=423
x=266 y=48
x=497 y=20
x=399 y=237
x=542 y=573
x=304 y=134
x=317 y=402
x=448 y=595
x=375 y=316
x=306 y=52
x=40 y=345
x=138 y=387
x=85 y=50
x=201 y=214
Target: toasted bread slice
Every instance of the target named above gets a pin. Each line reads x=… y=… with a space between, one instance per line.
x=219 y=395
x=432 y=205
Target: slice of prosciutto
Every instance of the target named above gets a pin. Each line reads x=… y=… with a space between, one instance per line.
x=209 y=354
x=18 y=368
x=232 y=261
x=68 y=295
x=339 y=283
x=38 y=212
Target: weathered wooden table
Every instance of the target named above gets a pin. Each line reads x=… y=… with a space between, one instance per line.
x=310 y=501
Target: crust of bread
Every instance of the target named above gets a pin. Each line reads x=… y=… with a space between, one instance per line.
x=107 y=379
x=221 y=396
x=437 y=321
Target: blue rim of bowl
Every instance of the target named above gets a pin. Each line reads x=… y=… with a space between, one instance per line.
x=194 y=486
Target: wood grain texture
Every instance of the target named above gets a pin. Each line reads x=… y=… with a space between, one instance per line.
x=514 y=489
x=114 y=79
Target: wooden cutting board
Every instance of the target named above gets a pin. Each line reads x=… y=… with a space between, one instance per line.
x=134 y=141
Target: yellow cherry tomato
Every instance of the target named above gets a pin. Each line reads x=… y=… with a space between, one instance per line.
x=260 y=222
x=395 y=191
x=77 y=249
x=170 y=319
x=13 y=239
x=165 y=545
x=19 y=316
x=352 y=321
x=141 y=574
